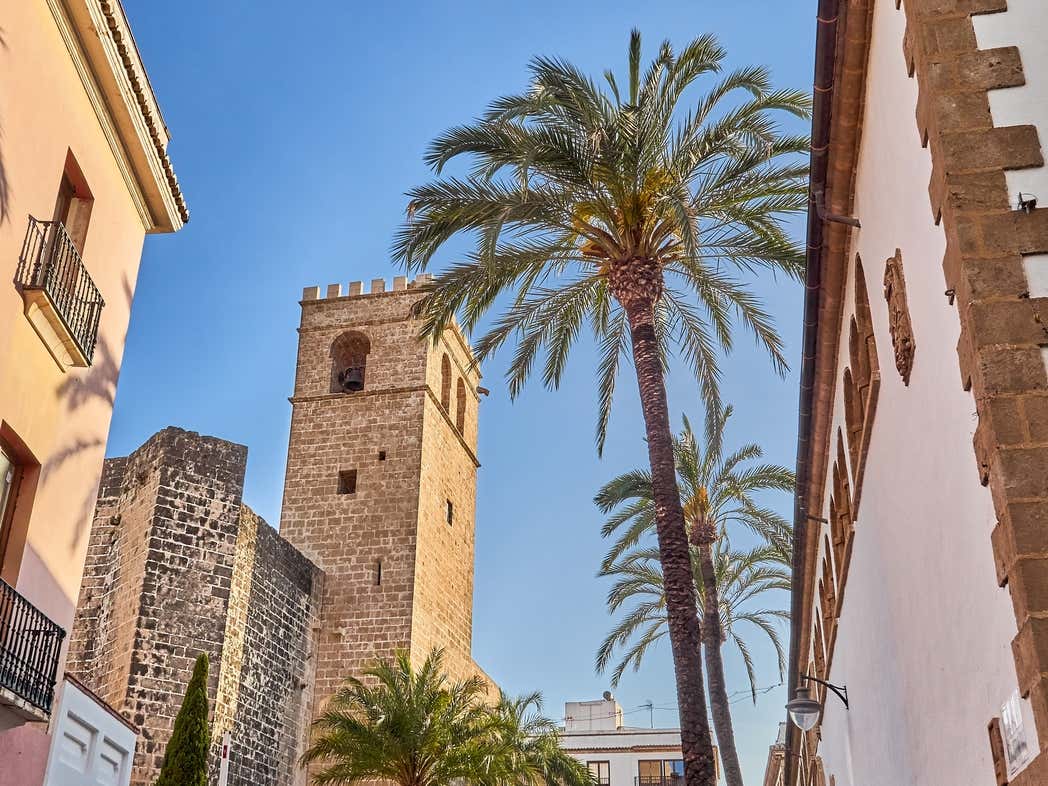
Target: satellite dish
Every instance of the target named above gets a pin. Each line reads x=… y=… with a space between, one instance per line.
x=608 y=696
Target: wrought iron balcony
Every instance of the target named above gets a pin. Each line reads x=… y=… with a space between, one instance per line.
x=659 y=780
x=29 y=647
x=57 y=288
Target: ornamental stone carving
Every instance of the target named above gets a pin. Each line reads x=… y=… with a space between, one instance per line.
x=899 y=323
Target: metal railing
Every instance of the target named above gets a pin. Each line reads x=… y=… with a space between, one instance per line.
x=29 y=645
x=659 y=780
x=51 y=262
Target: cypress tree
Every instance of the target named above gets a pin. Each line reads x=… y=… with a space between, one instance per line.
x=185 y=762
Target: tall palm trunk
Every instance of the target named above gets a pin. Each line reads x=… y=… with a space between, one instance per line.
x=681 y=604
x=712 y=638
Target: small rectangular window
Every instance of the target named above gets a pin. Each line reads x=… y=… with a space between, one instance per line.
x=9 y=472
x=347 y=481
x=74 y=202
x=450 y=512
x=382 y=455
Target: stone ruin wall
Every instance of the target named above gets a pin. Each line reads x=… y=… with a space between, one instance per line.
x=266 y=684
x=177 y=566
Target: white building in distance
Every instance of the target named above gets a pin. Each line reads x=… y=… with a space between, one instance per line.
x=619 y=755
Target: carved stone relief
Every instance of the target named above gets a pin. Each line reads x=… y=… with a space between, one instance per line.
x=899 y=324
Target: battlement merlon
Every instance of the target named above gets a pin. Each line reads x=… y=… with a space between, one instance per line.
x=377 y=287
x=317 y=298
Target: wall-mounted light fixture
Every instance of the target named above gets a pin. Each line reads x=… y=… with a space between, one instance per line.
x=804 y=710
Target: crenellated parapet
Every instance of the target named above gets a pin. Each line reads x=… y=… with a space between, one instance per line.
x=377 y=287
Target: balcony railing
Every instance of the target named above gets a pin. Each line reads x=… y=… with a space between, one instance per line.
x=29 y=647
x=659 y=780
x=50 y=263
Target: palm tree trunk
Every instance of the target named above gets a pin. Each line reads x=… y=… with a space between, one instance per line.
x=711 y=643
x=681 y=605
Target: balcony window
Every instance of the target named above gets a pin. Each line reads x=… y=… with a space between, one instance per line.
x=601 y=771
x=29 y=647
x=660 y=772
x=61 y=300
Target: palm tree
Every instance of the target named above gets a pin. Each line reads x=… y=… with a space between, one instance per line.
x=742 y=576
x=635 y=212
x=531 y=752
x=413 y=728
x=716 y=494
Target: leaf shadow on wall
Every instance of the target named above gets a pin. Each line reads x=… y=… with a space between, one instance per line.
x=5 y=190
x=98 y=383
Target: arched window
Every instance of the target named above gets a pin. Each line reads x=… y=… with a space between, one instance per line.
x=445 y=383
x=349 y=359
x=867 y=343
x=862 y=307
x=844 y=500
x=841 y=523
x=862 y=374
x=835 y=521
x=460 y=405
x=829 y=591
x=860 y=360
x=823 y=607
x=852 y=416
x=820 y=650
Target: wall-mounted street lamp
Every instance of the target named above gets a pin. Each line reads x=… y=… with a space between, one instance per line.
x=804 y=710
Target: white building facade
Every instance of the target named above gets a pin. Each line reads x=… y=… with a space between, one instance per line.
x=619 y=755
x=921 y=564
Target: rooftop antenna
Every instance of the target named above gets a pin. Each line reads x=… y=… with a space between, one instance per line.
x=650 y=707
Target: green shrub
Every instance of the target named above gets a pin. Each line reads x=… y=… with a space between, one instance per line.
x=185 y=762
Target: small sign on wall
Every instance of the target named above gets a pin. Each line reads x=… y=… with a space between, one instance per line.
x=223 y=762
x=1013 y=731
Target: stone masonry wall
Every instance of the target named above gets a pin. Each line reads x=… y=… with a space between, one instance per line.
x=103 y=633
x=350 y=535
x=371 y=562
x=442 y=614
x=1002 y=348
x=177 y=566
x=265 y=688
x=185 y=593
x=396 y=574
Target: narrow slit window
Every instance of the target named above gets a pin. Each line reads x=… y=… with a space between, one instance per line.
x=378 y=572
x=450 y=512
x=347 y=481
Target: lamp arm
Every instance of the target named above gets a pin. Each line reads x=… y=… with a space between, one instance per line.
x=841 y=692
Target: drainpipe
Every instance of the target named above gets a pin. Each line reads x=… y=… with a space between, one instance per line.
x=825 y=56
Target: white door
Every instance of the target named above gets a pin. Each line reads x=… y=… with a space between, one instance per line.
x=89 y=745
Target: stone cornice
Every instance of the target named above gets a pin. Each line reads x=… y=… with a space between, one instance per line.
x=849 y=85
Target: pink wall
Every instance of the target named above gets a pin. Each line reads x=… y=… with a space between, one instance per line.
x=23 y=756
x=58 y=417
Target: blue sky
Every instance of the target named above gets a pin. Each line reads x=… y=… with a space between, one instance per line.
x=296 y=129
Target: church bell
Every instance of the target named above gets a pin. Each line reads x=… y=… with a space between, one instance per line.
x=352 y=379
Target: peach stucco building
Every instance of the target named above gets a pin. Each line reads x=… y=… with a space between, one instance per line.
x=921 y=564
x=85 y=177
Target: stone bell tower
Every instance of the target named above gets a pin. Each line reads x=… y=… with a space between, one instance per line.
x=381 y=479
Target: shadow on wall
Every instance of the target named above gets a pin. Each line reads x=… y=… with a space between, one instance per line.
x=98 y=383
x=4 y=188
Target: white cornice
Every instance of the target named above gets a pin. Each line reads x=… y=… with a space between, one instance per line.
x=97 y=37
